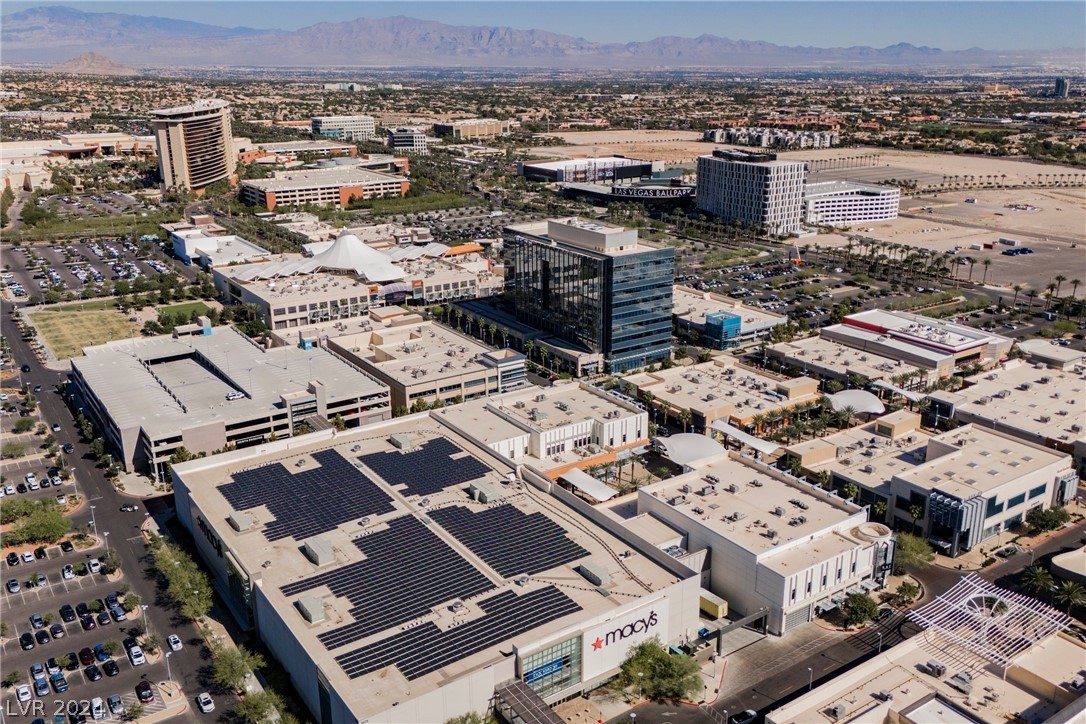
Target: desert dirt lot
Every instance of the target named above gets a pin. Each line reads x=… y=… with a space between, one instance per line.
x=1057 y=218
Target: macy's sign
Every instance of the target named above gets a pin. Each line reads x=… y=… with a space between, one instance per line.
x=621 y=633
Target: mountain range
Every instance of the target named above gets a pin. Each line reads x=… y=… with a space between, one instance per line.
x=54 y=33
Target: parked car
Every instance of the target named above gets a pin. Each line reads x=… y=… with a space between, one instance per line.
x=36 y=621
x=13 y=558
x=174 y=641
x=93 y=673
x=135 y=654
x=22 y=693
x=86 y=656
x=66 y=546
x=42 y=637
x=110 y=668
x=57 y=631
x=94 y=565
x=144 y=692
x=60 y=684
x=27 y=641
x=100 y=652
x=205 y=702
x=87 y=622
x=41 y=687
x=67 y=573
x=13 y=585
x=67 y=614
x=116 y=705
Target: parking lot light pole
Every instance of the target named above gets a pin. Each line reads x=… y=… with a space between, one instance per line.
x=146 y=619
x=106 y=536
x=810 y=678
x=880 y=642
x=169 y=674
x=94 y=523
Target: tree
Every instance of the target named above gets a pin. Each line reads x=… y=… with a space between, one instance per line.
x=860 y=609
x=659 y=674
x=131 y=602
x=1070 y=594
x=13 y=677
x=339 y=423
x=1040 y=520
x=111 y=561
x=134 y=711
x=907 y=592
x=232 y=665
x=110 y=647
x=258 y=706
x=850 y=490
x=12 y=450
x=473 y=717
x=1036 y=579
x=25 y=424
x=912 y=553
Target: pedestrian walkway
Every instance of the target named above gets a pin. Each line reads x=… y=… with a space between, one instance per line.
x=139 y=486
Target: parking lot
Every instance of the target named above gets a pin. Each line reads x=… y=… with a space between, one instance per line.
x=91 y=677
x=72 y=267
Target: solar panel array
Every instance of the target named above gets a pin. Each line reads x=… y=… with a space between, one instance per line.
x=309 y=502
x=407 y=571
x=510 y=541
x=422 y=649
x=427 y=469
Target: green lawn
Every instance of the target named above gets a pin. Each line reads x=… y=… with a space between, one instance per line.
x=186 y=308
x=66 y=333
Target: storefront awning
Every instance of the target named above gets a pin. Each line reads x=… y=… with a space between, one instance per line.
x=588 y=484
x=762 y=446
x=911 y=396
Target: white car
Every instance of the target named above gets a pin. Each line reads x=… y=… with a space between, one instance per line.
x=174 y=641
x=136 y=655
x=9 y=490
x=205 y=702
x=28 y=557
x=67 y=573
x=30 y=478
x=22 y=692
x=94 y=565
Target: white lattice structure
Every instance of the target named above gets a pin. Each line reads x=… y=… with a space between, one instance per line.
x=990 y=621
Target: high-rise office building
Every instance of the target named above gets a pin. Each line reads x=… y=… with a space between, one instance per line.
x=195 y=144
x=1063 y=88
x=347 y=128
x=593 y=284
x=755 y=188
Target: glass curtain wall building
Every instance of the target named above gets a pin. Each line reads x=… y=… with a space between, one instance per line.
x=593 y=285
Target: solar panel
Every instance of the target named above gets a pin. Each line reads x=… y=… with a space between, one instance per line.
x=407 y=571
x=309 y=502
x=427 y=469
x=426 y=648
x=510 y=541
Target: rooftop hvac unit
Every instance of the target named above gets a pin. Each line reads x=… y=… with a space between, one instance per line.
x=685 y=488
x=319 y=551
x=839 y=711
x=595 y=574
x=677 y=500
x=778 y=511
x=540 y=398
x=868 y=468
x=240 y=522
x=756 y=483
x=732 y=488
x=311 y=608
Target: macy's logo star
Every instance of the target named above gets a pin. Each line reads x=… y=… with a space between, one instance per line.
x=597 y=644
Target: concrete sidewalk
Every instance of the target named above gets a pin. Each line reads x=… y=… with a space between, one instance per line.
x=138 y=486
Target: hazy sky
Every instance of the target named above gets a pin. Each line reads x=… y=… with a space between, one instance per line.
x=947 y=25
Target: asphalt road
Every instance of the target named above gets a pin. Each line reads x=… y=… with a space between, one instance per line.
x=124 y=534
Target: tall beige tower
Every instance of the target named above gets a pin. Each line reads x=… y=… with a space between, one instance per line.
x=195 y=144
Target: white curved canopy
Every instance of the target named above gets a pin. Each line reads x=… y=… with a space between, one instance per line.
x=688 y=447
x=349 y=253
x=858 y=400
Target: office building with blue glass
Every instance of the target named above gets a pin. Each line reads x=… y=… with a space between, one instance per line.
x=594 y=285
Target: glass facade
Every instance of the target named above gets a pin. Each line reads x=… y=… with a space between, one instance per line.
x=554 y=668
x=617 y=305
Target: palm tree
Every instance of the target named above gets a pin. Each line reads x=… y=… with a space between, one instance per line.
x=758 y=420
x=987 y=263
x=684 y=415
x=648 y=397
x=1049 y=291
x=1060 y=279
x=1074 y=287
x=1069 y=595
x=528 y=347
x=1017 y=288
x=1032 y=294
x=850 y=490
x=1036 y=579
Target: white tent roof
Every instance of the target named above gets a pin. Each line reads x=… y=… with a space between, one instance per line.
x=688 y=447
x=349 y=253
x=858 y=400
x=588 y=484
x=757 y=443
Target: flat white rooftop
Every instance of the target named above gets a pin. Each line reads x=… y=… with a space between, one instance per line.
x=923 y=330
x=693 y=305
x=1040 y=401
x=322 y=178
x=186 y=393
x=751 y=508
x=980 y=461
x=1036 y=685
x=824 y=353
x=585 y=162
x=834 y=188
